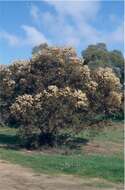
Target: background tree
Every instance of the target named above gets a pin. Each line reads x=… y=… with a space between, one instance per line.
x=38 y=49
x=99 y=56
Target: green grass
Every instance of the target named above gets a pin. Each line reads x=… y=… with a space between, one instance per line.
x=116 y=135
x=111 y=133
x=109 y=167
x=8 y=136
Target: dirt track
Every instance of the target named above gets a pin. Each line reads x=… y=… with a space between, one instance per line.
x=14 y=177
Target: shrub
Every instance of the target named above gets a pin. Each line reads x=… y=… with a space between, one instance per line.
x=45 y=113
x=56 y=90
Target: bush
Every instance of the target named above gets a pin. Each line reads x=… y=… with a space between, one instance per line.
x=54 y=90
x=45 y=113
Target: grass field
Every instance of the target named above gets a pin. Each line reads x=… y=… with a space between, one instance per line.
x=107 y=163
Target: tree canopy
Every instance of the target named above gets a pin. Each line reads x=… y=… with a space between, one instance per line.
x=99 y=56
x=54 y=90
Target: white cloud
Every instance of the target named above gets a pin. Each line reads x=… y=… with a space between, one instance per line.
x=33 y=36
x=113 y=37
x=70 y=23
x=117 y=36
x=76 y=9
x=34 y=11
x=10 y=38
x=60 y=32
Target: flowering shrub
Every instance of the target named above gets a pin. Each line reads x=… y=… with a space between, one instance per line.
x=49 y=111
x=55 y=90
x=108 y=95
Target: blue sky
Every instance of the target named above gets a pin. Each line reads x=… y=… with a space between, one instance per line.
x=24 y=24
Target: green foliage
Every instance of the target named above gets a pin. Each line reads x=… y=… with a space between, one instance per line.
x=37 y=49
x=98 y=55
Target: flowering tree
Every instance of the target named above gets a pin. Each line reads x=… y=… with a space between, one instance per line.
x=55 y=90
x=48 y=111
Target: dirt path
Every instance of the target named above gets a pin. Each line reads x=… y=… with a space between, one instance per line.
x=14 y=177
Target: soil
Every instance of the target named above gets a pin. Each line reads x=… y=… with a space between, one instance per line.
x=15 y=177
x=105 y=148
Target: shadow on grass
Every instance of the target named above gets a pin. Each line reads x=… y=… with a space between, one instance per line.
x=71 y=142
x=9 y=141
